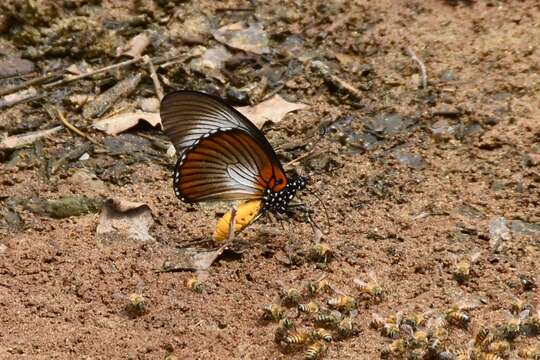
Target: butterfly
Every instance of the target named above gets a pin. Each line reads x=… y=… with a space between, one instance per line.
x=222 y=155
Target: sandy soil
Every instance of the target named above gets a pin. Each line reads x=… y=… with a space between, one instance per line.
x=412 y=179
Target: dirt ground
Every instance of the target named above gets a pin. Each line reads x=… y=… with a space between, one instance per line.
x=414 y=179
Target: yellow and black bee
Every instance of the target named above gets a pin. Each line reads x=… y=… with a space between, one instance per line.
x=315 y=350
x=282 y=329
x=137 y=305
x=462 y=267
x=457 y=316
x=500 y=347
x=328 y=318
x=291 y=296
x=274 y=312
x=371 y=288
x=195 y=285
x=391 y=326
x=395 y=348
x=317 y=286
x=530 y=352
x=513 y=326
x=309 y=308
x=342 y=302
x=321 y=334
x=321 y=252
x=298 y=337
x=345 y=328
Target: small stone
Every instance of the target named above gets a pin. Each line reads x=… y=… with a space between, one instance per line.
x=149 y=104
x=64 y=207
x=499 y=233
x=410 y=160
x=87 y=180
x=442 y=130
x=447 y=75
x=532 y=159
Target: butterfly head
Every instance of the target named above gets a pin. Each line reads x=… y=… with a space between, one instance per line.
x=279 y=201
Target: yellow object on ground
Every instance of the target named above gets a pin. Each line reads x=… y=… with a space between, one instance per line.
x=245 y=214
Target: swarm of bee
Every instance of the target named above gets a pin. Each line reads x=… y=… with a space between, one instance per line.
x=311 y=317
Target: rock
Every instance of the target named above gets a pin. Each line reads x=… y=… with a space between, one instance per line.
x=442 y=130
x=13 y=66
x=194 y=30
x=532 y=159
x=447 y=75
x=211 y=62
x=524 y=228
x=386 y=124
x=251 y=38
x=410 y=160
x=149 y=104
x=499 y=233
x=88 y=181
x=64 y=207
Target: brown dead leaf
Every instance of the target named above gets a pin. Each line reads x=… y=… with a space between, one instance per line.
x=193 y=259
x=252 y=38
x=116 y=124
x=273 y=109
x=135 y=47
x=344 y=59
x=124 y=220
x=16 y=141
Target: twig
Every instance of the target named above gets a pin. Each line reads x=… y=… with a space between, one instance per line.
x=99 y=71
x=232 y=224
x=237 y=9
x=6 y=104
x=273 y=92
x=36 y=81
x=423 y=71
x=301 y=157
x=76 y=153
x=154 y=77
x=324 y=70
x=72 y=127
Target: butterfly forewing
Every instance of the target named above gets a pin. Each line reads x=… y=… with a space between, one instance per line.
x=187 y=116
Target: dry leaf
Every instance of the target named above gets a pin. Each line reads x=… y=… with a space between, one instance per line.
x=253 y=38
x=344 y=59
x=193 y=259
x=16 y=141
x=211 y=62
x=273 y=109
x=124 y=220
x=136 y=46
x=116 y=124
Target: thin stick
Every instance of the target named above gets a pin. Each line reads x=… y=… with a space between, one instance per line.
x=99 y=71
x=35 y=81
x=423 y=71
x=301 y=157
x=327 y=74
x=273 y=92
x=232 y=223
x=73 y=128
x=154 y=77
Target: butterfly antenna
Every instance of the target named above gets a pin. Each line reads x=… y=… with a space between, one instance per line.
x=323 y=205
